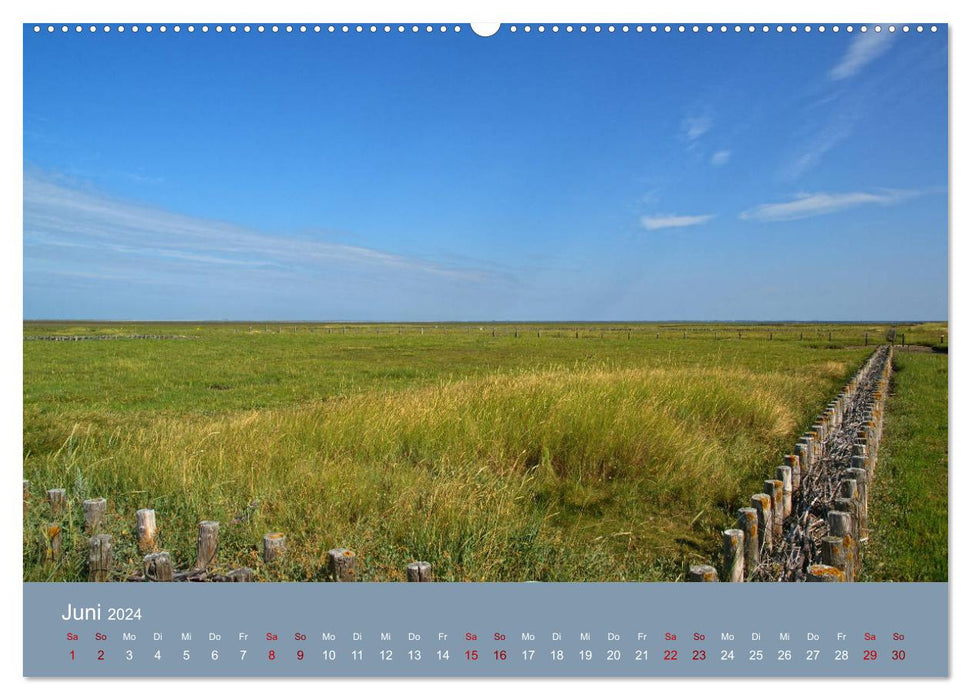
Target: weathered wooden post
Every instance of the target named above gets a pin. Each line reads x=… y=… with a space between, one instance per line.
x=849 y=505
x=342 y=565
x=784 y=474
x=732 y=556
x=419 y=572
x=748 y=523
x=99 y=558
x=702 y=573
x=274 y=546
x=861 y=477
x=793 y=462
x=773 y=487
x=52 y=542
x=158 y=567
x=94 y=514
x=806 y=453
x=242 y=575
x=57 y=498
x=207 y=543
x=849 y=490
x=840 y=525
x=821 y=573
x=146 y=529
x=836 y=554
x=762 y=503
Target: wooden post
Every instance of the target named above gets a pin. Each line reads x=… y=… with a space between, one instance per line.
x=241 y=575
x=773 y=487
x=841 y=525
x=274 y=546
x=836 y=554
x=748 y=523
x=821 y=573
x=849 y=490
x=702 y=573
x=732 y=556
x=146 y=530
x=848 y=505
x=52 y=543
x=94 y=514
x=792 y=461
x=342 y=565
x=419 y=572
x=57 y=498
x=207 y=543
x=99 y=558
x=158 y=567
x=784 y=474
x=762 y=503
x=806 y=453
x=860 y=476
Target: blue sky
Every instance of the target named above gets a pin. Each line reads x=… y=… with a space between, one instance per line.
x=517 y=177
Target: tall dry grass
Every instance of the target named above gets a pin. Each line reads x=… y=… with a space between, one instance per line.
x=561 y=473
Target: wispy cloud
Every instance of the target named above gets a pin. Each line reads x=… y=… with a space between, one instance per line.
x=693 y=128
x=721 y=157
x=815 y=204
x=863 y=49
x=653 y=223
x=60 y=217
x=826 y=139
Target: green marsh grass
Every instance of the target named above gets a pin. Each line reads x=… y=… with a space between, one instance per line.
x=508 y=458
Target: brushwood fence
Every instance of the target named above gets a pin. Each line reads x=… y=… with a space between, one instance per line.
x=812 y=515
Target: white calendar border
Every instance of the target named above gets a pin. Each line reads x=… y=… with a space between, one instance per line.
x=11 y=432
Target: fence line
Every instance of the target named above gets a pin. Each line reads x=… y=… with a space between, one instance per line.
x=809 y=522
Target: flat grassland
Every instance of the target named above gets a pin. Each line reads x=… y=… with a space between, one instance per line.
x=908 y=522
x=497 y=452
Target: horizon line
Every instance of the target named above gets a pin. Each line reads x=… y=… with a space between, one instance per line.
x=481 y=321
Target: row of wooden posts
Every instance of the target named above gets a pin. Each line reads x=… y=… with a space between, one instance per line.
x=341 y=564
x=576 y=333
x=105 y=336
x=761 y=524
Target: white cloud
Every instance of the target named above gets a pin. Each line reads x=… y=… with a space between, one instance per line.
x=62 y=222
x=826 y=140
x=653 y=223
x=695 y=127
x=721 y=157
x=815 y=204
x=862 y=50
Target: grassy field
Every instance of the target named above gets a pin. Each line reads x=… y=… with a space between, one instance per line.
x=496 y=452
x=908 y=512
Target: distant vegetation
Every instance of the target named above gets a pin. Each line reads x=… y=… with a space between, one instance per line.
x=496 y=452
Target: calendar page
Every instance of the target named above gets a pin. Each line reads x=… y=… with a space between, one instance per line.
x=629 y=340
